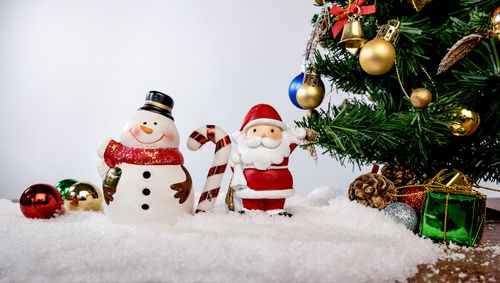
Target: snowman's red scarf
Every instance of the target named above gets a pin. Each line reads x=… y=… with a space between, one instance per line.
x=117 y=153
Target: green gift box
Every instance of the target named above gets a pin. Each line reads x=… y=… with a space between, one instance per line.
x=454 y=217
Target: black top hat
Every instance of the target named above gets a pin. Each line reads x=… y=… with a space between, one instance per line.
x=160 y=103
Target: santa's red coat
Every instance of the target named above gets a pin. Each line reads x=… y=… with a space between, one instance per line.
x=274 y=182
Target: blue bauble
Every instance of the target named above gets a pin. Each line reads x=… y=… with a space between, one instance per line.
x=292 y=89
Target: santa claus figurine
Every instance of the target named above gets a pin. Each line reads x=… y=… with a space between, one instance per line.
x=261 y=179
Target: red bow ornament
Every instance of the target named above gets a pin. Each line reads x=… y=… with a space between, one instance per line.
x=342 y=14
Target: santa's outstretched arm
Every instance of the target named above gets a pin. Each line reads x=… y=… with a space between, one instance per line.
x=296 y=136
x=102 y=167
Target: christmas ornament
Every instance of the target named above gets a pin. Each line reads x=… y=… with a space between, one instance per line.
x=403 y=214
x=320 y=28
x=311 y=93
x=41 y=201
x=64 y=185
x=353 y=35
x=83 y=196
x=153 y=186
x=495 y=24
x=292 y=89
x=398 y=175
x=414 y=197
x=221 y=155
x=419 y=4
x=458 y=51
x=464 y=122
x=372 y=190
x=420 y=98
x=378 y=55
x=263 y=181
x=320 y=2
x=342 y=14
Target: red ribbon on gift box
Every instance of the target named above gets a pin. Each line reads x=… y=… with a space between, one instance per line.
x=342 y=14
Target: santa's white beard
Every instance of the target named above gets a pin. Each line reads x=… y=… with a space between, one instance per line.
x=261 y=152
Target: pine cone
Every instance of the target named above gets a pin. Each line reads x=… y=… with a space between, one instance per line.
x=399 y=175
x=372 y=190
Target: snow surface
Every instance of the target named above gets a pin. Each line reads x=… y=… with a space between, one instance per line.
x=329 y=239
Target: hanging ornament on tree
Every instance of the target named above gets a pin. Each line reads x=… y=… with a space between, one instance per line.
x=458 y=51
x=342 y=14
x=294 y=86
x=378 y=55
x=320 y=28
x=352 y=34
x=420 y=98
x=64 y=185
x=311 y=93
x=468 y=42
x=83 y=196
x=464 y=122
x=40 y=201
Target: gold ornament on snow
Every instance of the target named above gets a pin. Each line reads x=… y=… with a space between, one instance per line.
x=378 y=55
x=83 y=196
x=420 y=97
x=310 y=94
x=465 y=122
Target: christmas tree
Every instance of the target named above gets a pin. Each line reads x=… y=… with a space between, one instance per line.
x=460 y=126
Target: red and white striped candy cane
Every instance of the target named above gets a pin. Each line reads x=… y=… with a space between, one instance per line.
x=222 y=151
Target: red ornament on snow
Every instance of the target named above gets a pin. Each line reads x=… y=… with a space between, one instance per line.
x=416 y=198
x=40 y=201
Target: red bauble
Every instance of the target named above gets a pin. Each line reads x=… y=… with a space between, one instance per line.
x=40 y=201
x=416 y=199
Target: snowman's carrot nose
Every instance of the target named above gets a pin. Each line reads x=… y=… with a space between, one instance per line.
x=146 y=130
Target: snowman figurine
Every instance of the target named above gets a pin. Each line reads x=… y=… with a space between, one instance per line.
x=144 y=177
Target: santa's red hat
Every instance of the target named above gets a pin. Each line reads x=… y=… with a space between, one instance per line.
x=262 y=114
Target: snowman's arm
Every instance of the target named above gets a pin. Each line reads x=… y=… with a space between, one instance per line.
x=102 y=147
x=102 y=168
x=184 y=188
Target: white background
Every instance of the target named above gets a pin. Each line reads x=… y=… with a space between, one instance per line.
x=73 y=72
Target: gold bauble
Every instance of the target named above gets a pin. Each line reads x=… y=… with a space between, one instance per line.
x=319 y=2
x=495 y=23
x=83 y=196
x=310 y=96
x=377 y=56
x=420 y=98
x=465 y=122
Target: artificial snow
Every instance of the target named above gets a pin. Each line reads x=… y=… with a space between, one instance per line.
x=329 y=239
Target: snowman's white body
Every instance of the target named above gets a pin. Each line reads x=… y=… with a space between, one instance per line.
x=148 y=200
x=130 y=203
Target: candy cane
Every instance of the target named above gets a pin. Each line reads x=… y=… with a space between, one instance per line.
x=219 y=163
